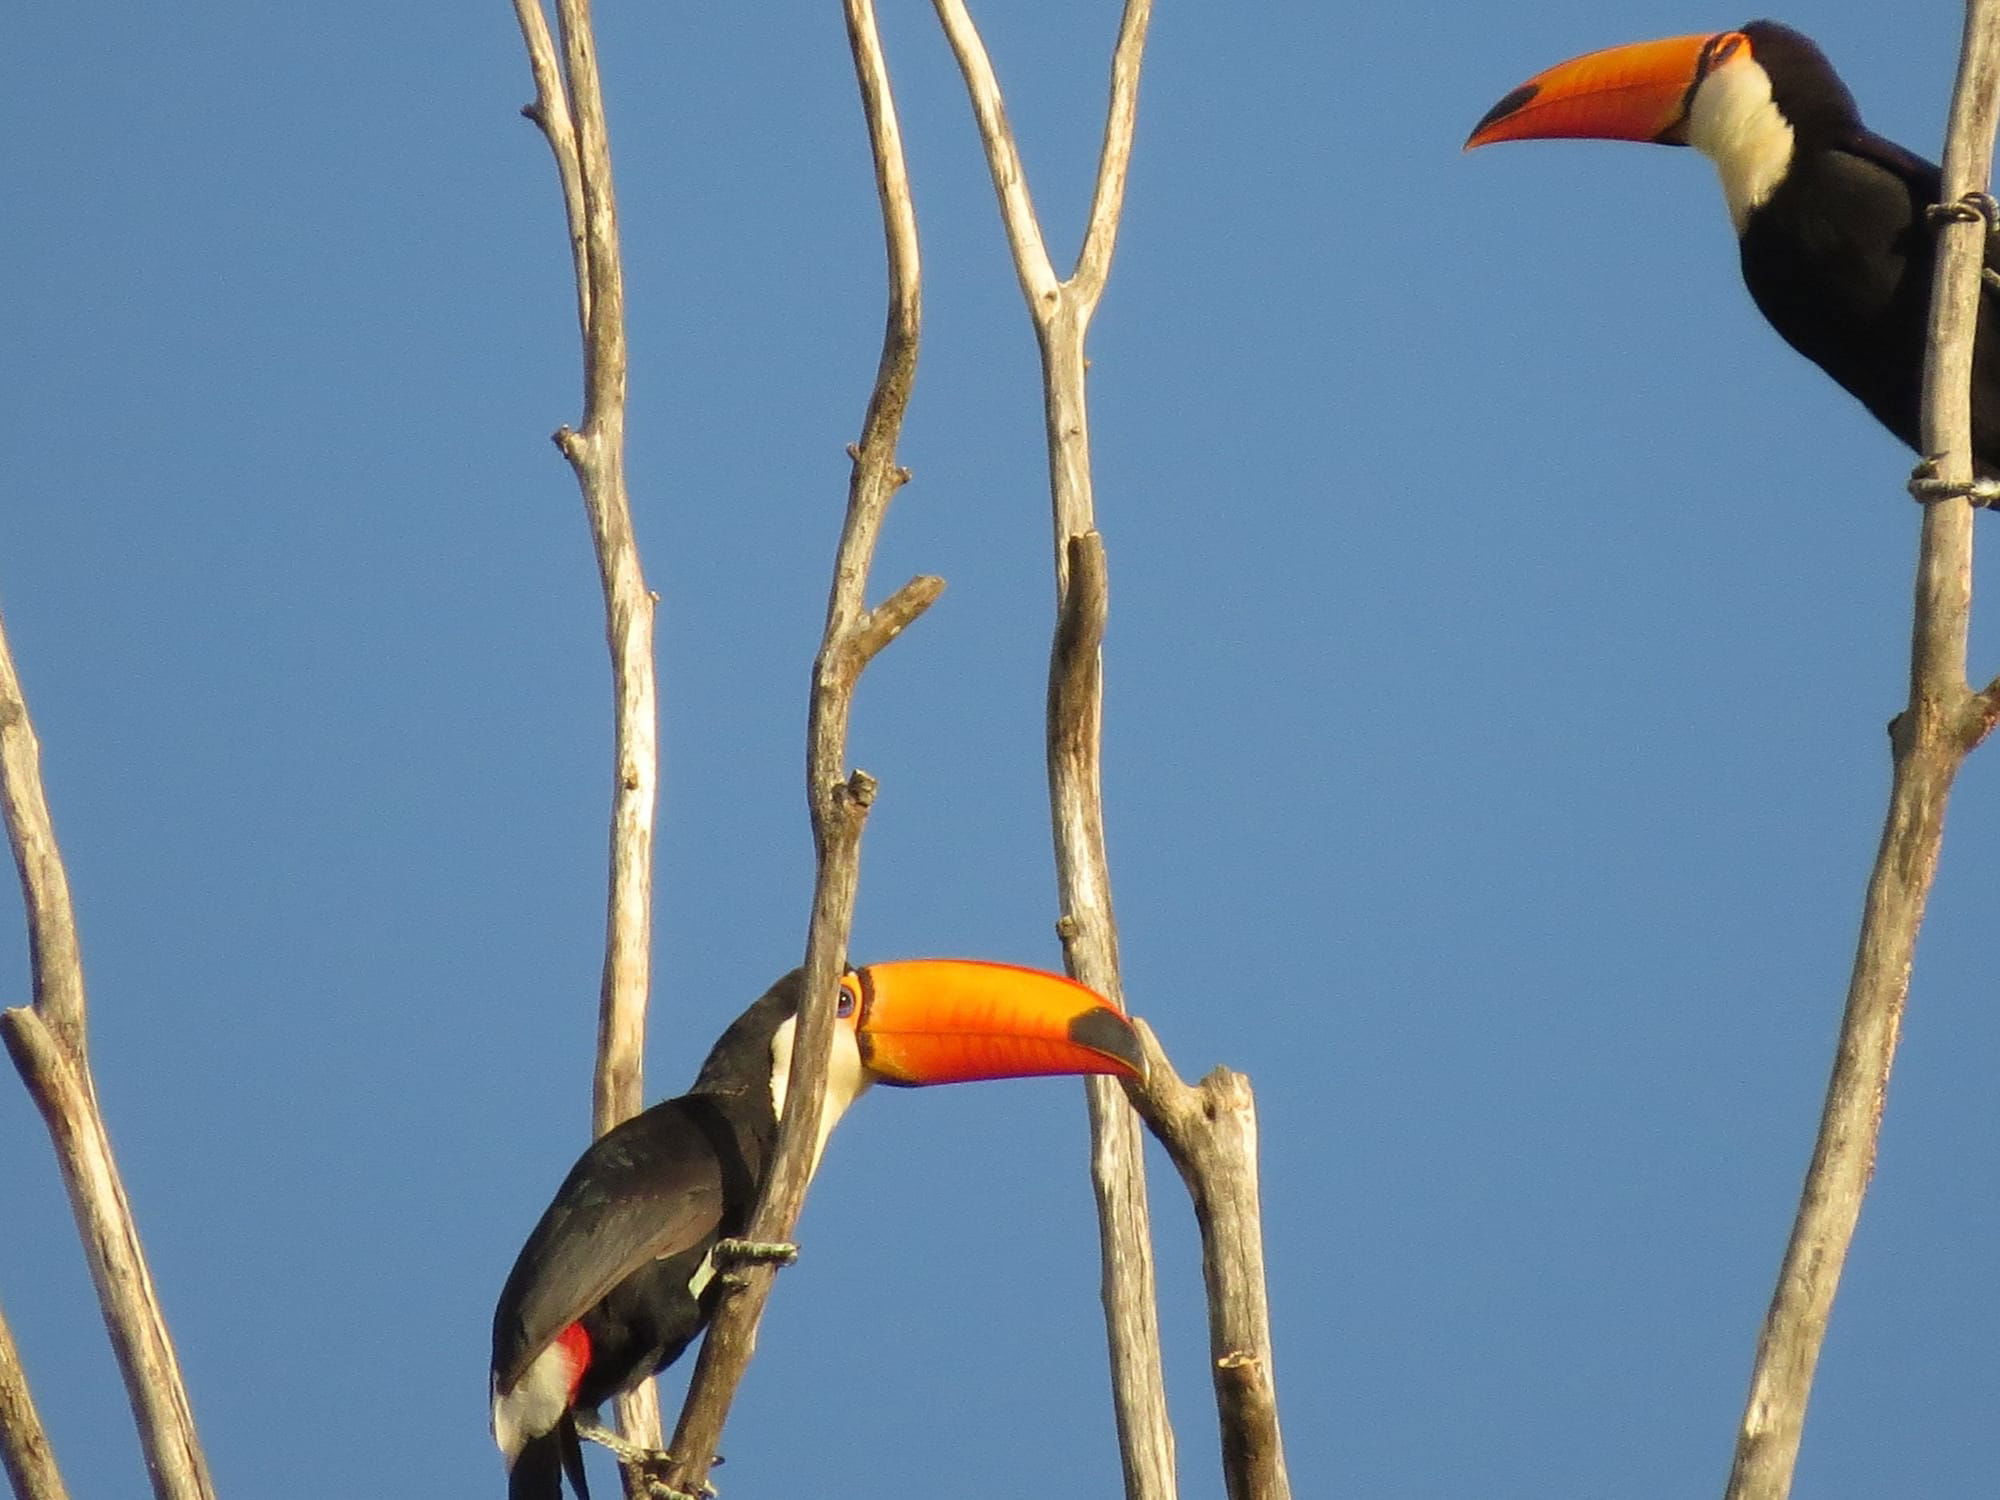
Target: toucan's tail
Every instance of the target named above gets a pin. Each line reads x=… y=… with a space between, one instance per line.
x=540 y=1465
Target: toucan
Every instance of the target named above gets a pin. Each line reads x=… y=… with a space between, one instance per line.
x=1834 y=222
x=618 y=1277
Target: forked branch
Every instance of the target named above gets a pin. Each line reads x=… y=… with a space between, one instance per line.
x=569 y=108
x=47 y=1042
x=1061 y=311
x=838 y=801
x=1943 y=723
x=1210 y=1131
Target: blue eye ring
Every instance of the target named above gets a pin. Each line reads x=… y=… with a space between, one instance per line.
x=843 y=1007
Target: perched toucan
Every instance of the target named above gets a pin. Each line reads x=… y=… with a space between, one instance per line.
x=1838 y=245
x=614 y=1281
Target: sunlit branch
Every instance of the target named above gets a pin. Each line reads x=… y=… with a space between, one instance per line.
x=569 y=108
x=1942 y=724
x=838 y=800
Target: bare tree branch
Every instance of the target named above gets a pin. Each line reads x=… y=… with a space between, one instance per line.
x=47 y=1043
x=1107 y=205
x=1075 y=713
x=1061 y=312
x=895 y=614
x=838 y=801
x=1210 y=1131
x=24 y=1444
x=55 y=954
x=1945 y=720
x=569 y=107
x=550 y=111
x=1003 y=158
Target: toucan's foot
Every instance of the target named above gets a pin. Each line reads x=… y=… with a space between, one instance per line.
x=745 y=1252
x=730 y=1253
x=1969 y=209
x=627 y=1452
x=1927 y=489
x=651 y=1463
x=1973 y=208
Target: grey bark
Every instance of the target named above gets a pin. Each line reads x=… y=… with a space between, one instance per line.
x=1943 y=722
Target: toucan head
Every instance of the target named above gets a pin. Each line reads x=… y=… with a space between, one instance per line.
x=922 y=1021
x=1749 y=99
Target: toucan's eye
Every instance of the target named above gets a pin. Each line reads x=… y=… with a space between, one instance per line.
x=1722 y=49
x=844 y=1006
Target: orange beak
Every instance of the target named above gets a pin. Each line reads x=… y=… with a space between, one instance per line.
x=1635 y=93
x=950 y=1020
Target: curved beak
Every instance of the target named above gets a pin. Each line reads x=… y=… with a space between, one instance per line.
x=950 y=1020
x=1634 y=93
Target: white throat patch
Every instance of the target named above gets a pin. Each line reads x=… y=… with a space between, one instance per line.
x=846 y=1078
x=1735 y=125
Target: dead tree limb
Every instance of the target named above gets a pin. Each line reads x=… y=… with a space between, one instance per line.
x=1210 y=1132
x=1061 y=311
x=24 y=1443
x=569 y=108
x=838 y=801
x=1944 y=722
x=47 y=1041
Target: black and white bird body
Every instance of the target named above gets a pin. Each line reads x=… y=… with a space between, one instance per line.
x=616 y=1279
x=1833 y=221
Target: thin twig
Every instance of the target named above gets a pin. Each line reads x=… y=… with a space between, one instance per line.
x=1061 y=312
x=24 y=1443
x=569 y=107
x=1945 y=720
x=838 y=801
x=1107 y=204
x=550 y=111
x=55 y=953
x=47 y=1043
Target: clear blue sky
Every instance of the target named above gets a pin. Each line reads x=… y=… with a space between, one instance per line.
x=1504 y=627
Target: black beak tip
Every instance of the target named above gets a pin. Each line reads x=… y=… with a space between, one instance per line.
x=1104 y=1030
x=1504 y=108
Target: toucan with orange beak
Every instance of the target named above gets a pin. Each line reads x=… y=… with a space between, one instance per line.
x=1836 y=225
x=618 y=1276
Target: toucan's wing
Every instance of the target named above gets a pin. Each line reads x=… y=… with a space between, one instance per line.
x=1926 y=189
x=1926 y=184
x=1899 y=161
x=650 y=1188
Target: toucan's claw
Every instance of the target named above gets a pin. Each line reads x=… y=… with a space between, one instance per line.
x=1969 y=209
x=1926 y=488
x=730 y=1253
x=754 y=1252
x=651 y=1463
x=627 y=1452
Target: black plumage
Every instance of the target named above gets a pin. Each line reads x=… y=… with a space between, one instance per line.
x=1842 y=256
x=618 y=1248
